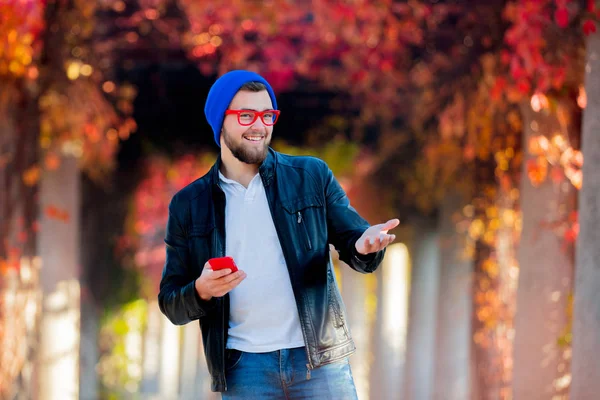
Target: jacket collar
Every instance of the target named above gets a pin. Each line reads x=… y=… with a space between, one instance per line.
x=266 y=169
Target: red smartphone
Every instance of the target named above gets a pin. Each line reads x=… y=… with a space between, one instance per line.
x=222 y=263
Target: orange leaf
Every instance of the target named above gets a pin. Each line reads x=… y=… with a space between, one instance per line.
x=577 y=179
x=538 y=145
x=3 y=266
x=52 y=161
x=54 y=212
x=31 y=176
x=537 y=170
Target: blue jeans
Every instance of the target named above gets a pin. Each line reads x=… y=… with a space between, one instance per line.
x=283 y=374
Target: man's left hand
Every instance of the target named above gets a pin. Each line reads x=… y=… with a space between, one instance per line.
x=376 y=237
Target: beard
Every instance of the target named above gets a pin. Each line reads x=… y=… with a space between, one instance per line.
x=248 y=154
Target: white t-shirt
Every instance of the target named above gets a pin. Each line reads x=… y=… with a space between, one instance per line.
x=263 y=313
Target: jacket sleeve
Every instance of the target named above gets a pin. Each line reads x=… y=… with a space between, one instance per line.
x=345 y=226
x=177 y=297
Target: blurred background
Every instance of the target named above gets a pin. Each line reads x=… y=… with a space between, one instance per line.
x=468 y=120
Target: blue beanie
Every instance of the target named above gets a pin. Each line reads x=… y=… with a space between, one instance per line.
x=222 y=92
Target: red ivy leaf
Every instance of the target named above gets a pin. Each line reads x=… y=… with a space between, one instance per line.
x=498 y=88
x=524 y=86
x=589 y=27
x=56 y=213
x=561 y=16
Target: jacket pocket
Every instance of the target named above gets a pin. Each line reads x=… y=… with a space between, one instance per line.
x=334 y=305
x=304 y=212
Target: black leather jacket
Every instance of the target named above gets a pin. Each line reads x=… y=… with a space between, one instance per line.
x=309 y=210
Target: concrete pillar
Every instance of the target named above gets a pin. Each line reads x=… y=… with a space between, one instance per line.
x=58 y=246
x=586 y=318
x=455 y=309
x=422 y=316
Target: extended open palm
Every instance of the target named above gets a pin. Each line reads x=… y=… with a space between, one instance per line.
x=376 y=237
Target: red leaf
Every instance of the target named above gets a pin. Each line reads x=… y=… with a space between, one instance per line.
x=54 y=212
x=524 y=86
x=562 y=17
x=498 y=88
x=570 y=236
x=589 y=27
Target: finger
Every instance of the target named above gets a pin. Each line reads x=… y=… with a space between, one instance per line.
x=222 y=287
x=236 y=281
x=391 y=224
x=220 y=273
x=375 y=240
x=389 y=239
x=382 y=242
x=379 y=242
x=369 y=242
x=374 y=244
x=231 y=277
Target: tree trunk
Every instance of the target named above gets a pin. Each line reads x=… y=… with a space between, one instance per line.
x=455 y=307
x=545 y=277
x=586 y=319
x=422 y=315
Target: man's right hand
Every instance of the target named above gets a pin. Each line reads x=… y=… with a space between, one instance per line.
x=217 y=283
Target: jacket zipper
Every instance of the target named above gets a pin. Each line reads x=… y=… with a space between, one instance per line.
x=223 y=344
x=305 y=231
x=222 y=300
x=309 y=366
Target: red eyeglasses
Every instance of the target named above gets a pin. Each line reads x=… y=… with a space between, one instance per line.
x=248 y=117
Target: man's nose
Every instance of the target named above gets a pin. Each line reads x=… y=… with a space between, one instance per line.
x=258 y=123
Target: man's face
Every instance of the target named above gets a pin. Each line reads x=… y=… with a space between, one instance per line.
x=249 y=144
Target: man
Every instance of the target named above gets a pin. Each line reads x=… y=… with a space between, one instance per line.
x=276 y=328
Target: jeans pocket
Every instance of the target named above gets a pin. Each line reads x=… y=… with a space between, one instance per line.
x=232 y=359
